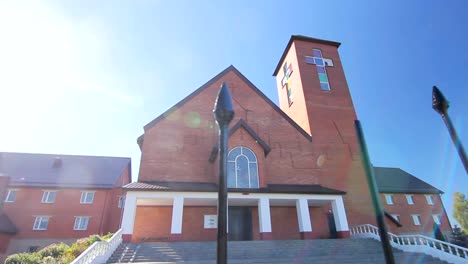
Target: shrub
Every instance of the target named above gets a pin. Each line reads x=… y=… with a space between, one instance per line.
x=23 y=258
x=54 y=250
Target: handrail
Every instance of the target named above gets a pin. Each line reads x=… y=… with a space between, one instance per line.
x=100 y=251
x=416 y=243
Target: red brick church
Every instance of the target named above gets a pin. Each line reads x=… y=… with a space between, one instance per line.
x=294 y=171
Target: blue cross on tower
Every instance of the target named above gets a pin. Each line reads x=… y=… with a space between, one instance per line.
x=321 y=63
x=287 y=70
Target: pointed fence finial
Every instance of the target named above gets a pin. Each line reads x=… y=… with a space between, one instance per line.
x=223 y=109
x=439 y=103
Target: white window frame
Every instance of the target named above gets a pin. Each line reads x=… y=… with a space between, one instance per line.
x=38 y=222
x=121 y=202
x=437 y=218
x=255 y=161
x=409 y=198
x=46 y=196
x=429 y=199
x=79 y=220
x=389 y=198
x=84 y=197
x=9 y=195
x=396 y=217
x=416 y=219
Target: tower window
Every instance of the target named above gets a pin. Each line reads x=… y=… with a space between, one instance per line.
x=321 y=63
x=287 y=70
x=242 y=168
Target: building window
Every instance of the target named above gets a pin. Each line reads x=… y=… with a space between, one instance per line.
x=436 y=218
x=429 y=199
x=49 y=196
x=409 y=199
x=10 y=196
x=396 y=217
x=121 y=202
x=87 y=197
x=81 y=223
x=287 y=70
x=321 y=63
x=242 y=168
x=41 y=223
x=389 y=198
x=416 y=219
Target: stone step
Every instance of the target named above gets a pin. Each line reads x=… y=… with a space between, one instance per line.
x=255 y=252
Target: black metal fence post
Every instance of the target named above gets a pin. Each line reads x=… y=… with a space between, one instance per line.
x=223 y=113
x=387 y=248
x=441 y=105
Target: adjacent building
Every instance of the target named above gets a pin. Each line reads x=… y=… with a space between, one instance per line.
x=49 y=198
x=294 y=171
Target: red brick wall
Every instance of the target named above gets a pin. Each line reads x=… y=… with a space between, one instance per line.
x=284 y=224
x=152 y=223
x=113 y=215
x=62 y=213
x=420 y=206
x=193 y=224
x=4 y=241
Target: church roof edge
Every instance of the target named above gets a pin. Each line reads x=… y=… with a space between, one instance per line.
x=302 y=38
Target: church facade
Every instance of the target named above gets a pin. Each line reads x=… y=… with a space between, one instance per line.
x=294 y=171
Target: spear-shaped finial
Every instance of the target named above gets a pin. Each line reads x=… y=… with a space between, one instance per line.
x=439 y=103
x=223 y=110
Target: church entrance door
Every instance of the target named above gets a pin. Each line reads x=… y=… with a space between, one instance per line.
x=239 y=223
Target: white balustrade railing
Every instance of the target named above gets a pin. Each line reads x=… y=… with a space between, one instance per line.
x=100 y=251
x=416 y=243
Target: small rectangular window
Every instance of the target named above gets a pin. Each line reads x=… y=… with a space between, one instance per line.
x=409 y=199
x=436 y=218
x=121 y=202
x=10 y=196
x=41 y=223
x=87 y=197
x=429 y=199
x=396 y=217
x=416 y=219
x=81 y=223
x=49 y=196
x=389 y=198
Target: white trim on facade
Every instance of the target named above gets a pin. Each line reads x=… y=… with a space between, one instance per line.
x=303 y=215
x=264 y=217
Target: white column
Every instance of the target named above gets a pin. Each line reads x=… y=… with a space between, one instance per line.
x=303 y=215
x=339 y=214
x=264 y=217
x=128 y=219
x=177 y=213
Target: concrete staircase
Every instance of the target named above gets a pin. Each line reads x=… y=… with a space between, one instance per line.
x=364 y=251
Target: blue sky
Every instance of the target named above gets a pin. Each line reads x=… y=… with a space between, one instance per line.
x=84 y=77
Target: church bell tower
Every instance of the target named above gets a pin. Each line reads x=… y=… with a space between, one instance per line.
x=313 y=91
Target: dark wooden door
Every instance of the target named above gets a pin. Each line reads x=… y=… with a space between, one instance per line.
x=239 y=223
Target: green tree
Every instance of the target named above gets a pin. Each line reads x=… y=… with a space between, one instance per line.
x=460 y=210
x=458 y=237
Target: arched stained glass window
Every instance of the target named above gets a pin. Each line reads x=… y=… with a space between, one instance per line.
x=242 y=168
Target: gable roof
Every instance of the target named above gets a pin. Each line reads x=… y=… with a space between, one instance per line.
x=239 y=124
x=210 y=82
x=243 y=124
x=56 y=170
x=396 y=180
x=302 y=38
